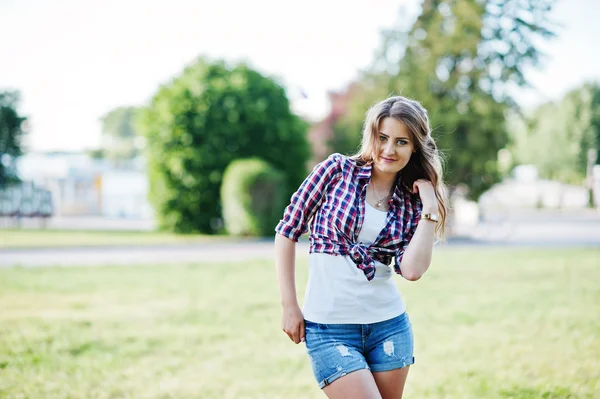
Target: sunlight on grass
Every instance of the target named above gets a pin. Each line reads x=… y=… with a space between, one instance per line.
x=488 y=324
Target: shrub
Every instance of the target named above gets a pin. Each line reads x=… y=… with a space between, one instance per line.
x=253 y=195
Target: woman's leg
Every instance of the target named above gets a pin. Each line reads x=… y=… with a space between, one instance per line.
x=356 y=385
x=391 y=383
x=390 y=350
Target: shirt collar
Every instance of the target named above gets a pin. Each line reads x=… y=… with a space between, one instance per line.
x=364 y=172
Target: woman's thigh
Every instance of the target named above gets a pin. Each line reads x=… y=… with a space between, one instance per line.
x=391 y=383
x=356 y=385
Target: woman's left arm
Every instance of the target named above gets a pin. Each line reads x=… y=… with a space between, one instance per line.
x=417 y=256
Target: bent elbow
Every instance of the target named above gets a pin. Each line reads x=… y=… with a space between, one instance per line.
x=410 y=276
x=410 y=273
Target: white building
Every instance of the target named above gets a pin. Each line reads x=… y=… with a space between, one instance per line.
x=526 y=190
x=124 y=194
x=82 y=186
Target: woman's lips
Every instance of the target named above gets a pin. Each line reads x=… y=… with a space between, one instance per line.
x=384 y=159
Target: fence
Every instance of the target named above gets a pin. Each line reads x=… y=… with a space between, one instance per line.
x=24 y=200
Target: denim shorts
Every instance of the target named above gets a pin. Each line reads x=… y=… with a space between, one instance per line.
x=339 y=349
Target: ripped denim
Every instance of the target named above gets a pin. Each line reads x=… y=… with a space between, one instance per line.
x=339 y=349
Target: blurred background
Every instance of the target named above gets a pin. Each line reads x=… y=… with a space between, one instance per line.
x=173 y=133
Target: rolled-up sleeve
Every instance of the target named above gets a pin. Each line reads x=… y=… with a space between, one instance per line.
x=409 y=232
x=308 y=198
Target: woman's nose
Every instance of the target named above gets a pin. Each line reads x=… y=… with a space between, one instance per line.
x=388 y=148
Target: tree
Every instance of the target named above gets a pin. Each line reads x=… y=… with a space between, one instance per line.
x=210 y=115
x=461 y=59
x=11 y=134
x=120 y=138
x=556 y=137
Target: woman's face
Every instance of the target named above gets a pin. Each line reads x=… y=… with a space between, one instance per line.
x=394 y=146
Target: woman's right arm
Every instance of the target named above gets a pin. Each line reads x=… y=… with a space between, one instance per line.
x=292 y=321
x=303 y=204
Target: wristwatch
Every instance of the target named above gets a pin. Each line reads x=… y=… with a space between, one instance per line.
x=430 y=216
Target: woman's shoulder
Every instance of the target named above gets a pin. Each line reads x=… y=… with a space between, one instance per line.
x=344 y=161
x=337 y=166
x=336 y=158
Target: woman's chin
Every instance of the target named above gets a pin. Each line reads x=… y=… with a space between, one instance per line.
x=389 y=167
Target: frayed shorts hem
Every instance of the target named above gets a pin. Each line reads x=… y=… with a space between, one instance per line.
x=376 y=368
x=340 y=374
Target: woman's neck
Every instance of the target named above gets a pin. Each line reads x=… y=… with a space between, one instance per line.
x=383 y=181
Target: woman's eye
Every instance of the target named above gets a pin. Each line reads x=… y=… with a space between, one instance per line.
x=402 y=142
x=382 y=138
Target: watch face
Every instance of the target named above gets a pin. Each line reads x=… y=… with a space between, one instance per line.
x=431 y=216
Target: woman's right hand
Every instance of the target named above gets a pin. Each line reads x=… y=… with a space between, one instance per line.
x=292 y=323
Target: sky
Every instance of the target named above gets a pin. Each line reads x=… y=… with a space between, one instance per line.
x=73 y=60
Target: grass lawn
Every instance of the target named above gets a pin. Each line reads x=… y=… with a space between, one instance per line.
x=30 y=238
x=489 y=323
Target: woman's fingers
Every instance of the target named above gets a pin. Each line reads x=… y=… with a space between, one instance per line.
x=290 y=332
x=296 y=334
x=302 y=332
x=287 y=330
x=416 y=184
x=292 y=324
x=416 y=187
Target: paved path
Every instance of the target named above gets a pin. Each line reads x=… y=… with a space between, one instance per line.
x=239 y=252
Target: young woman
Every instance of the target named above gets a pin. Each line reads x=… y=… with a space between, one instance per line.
x=388 y=201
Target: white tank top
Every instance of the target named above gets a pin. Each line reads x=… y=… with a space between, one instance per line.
x=338 y=292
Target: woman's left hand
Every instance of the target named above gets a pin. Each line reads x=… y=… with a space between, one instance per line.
x=427 y=194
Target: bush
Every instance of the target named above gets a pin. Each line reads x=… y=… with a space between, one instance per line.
x=202 y=121
x=253 y=196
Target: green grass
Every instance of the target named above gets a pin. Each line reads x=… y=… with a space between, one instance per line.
x=24 y=238
x=509 y=323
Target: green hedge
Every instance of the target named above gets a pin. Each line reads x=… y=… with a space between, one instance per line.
x=253 y=196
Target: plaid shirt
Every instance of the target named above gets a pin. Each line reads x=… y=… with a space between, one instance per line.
x=332 y=201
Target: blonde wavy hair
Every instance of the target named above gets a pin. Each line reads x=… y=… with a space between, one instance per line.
x=425 y=163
